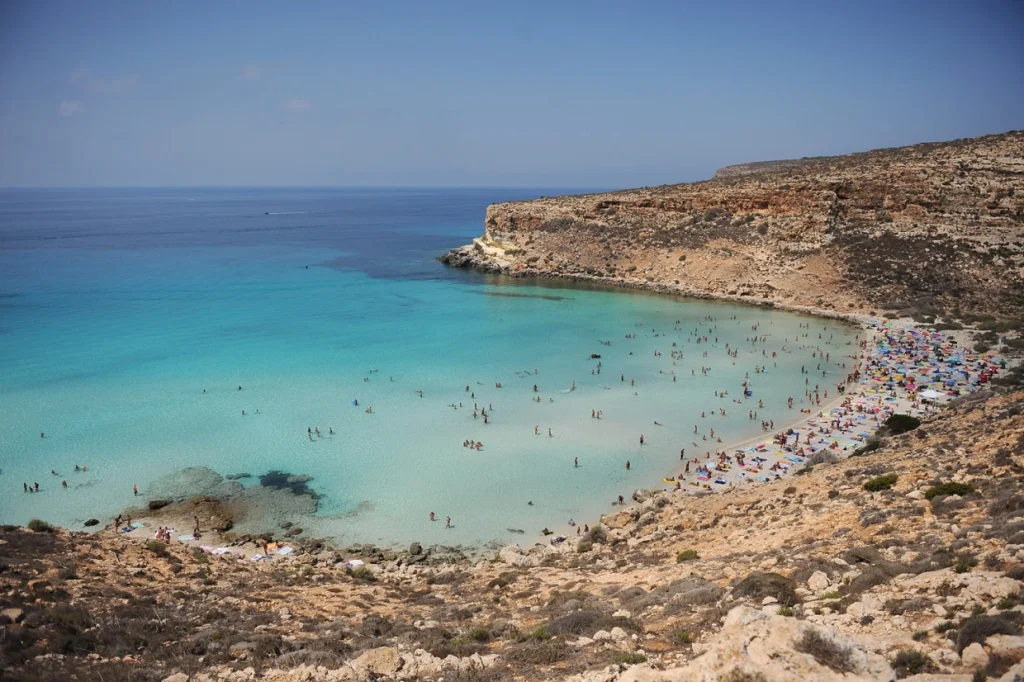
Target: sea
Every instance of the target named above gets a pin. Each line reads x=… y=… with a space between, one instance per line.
x=147 y=334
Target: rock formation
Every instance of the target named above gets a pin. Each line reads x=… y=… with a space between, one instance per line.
x=931 y=228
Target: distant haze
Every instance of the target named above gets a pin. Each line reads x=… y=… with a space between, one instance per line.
x=588 y=94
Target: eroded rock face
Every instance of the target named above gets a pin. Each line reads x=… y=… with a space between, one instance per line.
x=884 y=228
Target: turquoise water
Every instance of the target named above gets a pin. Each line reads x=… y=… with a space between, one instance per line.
x=118 y=309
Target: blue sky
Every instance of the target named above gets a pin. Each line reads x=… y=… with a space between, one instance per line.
x=595 y=94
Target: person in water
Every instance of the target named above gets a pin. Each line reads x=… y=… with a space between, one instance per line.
x=432 y=516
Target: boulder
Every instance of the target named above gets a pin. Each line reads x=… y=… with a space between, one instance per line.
x=92 y=522
x=13 y=615
x=158 y=504
x=513 y=556
x=818 y=582
x=619 y=634
x=415 y=549
x=974 y=656
x=601 y=636
x=380 y=661
x=1009 y=646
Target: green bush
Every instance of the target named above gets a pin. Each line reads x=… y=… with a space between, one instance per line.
x=157 y=547
x=786 y=611
x=630 y=659
x=950 y=488
x=683 y=636
x=584 y=545
x=37 y=526
x=901 y=423
x=687 y=555
x=964 y=563
x=910 y=662
x=879 y=483
x=872 y=445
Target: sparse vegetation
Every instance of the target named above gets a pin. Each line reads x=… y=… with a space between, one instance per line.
x=910 y=662
x=901 y=423
x=39 y=526
x=687 y=555
x=880 y=483
x=950 y=488
x=826 y=651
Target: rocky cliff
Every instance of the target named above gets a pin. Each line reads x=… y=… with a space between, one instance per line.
x=931 y=228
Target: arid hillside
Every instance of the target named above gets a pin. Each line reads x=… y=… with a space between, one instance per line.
x=931 y=228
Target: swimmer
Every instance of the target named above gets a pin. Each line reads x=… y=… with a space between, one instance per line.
x=447 y=522
x=576 y=462
x=432 y=517
x=135 y=489
x=64 y=484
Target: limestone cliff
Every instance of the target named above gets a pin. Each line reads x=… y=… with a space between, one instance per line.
x=935 y=226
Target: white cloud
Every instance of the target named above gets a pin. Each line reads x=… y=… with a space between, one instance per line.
x=251 y=72
x=91 y=82
x=298 y=104
x=70 y=107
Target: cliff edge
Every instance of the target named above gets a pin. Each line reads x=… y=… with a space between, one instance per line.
x=931 y=227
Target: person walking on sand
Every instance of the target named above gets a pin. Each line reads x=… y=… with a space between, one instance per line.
x=196 y=530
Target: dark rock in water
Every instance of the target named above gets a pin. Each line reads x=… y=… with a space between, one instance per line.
x=92 y=522
x=515 y=530
x=415 y=549
x=236 y=477
x=281 y=480
x=286 y=525
x=292 y=532
x=158 y=504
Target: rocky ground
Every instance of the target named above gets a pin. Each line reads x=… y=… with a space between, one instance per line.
x=932 y=230
x=839 y=573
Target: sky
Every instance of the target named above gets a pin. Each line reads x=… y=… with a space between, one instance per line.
x=526 y=94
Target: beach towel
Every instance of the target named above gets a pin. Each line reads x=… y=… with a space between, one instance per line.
x=285 y=550
x=186 y=538
x=353 y=563
x=258 y=557
x=222 y=550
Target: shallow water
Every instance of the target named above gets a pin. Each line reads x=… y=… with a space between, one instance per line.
x=119 y=308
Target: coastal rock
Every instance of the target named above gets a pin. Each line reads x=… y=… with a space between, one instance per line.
x=832 y=234
x=158 y=504
x=415 y=549
x=513 y=556
x=92 y=522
